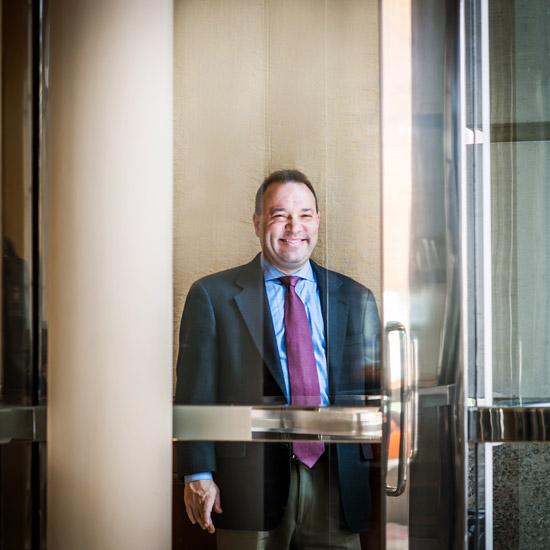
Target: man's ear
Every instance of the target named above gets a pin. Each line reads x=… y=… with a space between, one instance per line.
x=256 y=221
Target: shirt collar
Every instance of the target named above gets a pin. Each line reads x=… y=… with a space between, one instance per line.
x=271 y=273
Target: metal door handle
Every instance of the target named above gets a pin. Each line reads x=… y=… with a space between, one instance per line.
x=244 y=423
x=398 y=382
x=413 y=396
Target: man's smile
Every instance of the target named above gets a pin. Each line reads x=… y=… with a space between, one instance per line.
x=293 y=241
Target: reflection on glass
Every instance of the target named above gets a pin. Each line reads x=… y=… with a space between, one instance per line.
x=22 y=464
x=16 y=388
x=520 y=161
x=16 y=380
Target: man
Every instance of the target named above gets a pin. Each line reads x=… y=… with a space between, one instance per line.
x=279 y=330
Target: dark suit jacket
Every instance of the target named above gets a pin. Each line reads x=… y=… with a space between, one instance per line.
x=228 y=355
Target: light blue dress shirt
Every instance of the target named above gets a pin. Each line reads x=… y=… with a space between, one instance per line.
x=306 y=289
x=308 y=292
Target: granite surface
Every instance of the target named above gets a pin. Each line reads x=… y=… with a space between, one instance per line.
x=521 y=499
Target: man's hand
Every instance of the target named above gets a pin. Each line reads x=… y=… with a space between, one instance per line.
x=200 y=498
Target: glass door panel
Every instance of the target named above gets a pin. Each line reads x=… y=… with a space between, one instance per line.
x=286 y=85
x=510 y=104
x=520 y=158
x=422 y=261
x=313 y=103
x=510 y=99
x=23 y=361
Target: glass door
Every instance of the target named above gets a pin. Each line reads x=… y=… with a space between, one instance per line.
x=308 y=88
x=509 y=156
x=286 y=85
x=23 y=362
x=422 y=263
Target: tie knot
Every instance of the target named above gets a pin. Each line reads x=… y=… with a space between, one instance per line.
x=289 y=280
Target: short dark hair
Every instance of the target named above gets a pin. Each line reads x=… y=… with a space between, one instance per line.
x=282 y=176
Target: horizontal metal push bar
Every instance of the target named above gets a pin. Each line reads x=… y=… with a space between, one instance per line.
x=22 y=424
x=243 y=423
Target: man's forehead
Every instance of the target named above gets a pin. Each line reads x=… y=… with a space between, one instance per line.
x=283 y=188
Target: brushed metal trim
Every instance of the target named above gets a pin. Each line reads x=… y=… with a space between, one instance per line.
x=509 y=425
x=22 y=424
x=244 y=423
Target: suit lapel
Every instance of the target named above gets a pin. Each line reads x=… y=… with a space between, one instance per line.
x=335 y=311
x=254 y=307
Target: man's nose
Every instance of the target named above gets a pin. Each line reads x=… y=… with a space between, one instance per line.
x=293 y=224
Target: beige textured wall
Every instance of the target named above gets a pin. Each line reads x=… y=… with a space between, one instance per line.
x=262 y=85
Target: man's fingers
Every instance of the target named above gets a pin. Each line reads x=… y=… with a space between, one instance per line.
x=218 y=504
x=206 y=509
x=212 y=502
x=197 y=512
x=190 y=514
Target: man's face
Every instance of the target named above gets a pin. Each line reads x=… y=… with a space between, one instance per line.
x=288 y=225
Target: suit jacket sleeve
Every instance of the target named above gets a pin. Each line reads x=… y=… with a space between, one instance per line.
x=197 y=374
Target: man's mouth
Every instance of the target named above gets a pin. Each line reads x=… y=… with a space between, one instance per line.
x=292 y=241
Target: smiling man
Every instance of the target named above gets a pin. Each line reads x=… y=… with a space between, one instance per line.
x=279 y=330
x=287 y=224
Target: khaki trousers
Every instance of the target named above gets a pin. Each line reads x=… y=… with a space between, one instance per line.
x=313 y=518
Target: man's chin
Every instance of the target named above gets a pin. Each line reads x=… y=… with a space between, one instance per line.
x=291 y=266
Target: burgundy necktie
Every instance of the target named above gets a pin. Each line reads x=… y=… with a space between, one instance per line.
x=302 y=368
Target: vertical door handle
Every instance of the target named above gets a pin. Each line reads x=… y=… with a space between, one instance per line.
x=413 y=395
x=399 y=410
